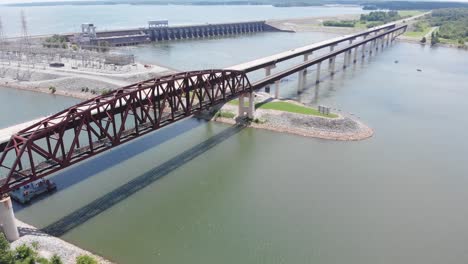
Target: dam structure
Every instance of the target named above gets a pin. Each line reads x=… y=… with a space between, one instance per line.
x=161 y=31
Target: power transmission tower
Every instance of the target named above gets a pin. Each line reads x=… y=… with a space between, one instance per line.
x=4 y=54
x=24 y=49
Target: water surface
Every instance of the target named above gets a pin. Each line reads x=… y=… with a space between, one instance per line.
x=254 y=196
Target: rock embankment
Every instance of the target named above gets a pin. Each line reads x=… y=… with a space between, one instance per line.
x=50 y=245
x=345 y=127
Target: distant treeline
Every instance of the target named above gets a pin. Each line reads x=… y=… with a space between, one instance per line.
x=367 y=5
x=340 y=23
x=407 y=5
x=452 y=23
x=276 y=3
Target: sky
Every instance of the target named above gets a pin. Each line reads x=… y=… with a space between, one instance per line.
x=32 y=1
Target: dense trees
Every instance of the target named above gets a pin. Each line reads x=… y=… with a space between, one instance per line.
x=340 y=23
x=452 y=23
x=381 y=16
x=412 y=5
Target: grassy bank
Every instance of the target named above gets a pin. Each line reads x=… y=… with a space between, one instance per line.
x=288 y=107
x=373 y=19
x=451 y=27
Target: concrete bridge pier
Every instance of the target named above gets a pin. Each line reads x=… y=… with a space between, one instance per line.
x=306 y=58
x=355 y=54
x=345 y=60
x=301 y=81
x=349 y=52
x=268 y=73
x=246 y=111
x=332 y=47
x=363 y=50
x=277 y=87
x=332 y=66
x=7 y=219
x=317 y=80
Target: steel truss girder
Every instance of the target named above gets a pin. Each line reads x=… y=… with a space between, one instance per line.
x=106 y=121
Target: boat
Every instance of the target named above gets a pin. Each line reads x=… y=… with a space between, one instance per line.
x=25 y=193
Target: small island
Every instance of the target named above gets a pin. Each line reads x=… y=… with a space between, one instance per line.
x=291 y=117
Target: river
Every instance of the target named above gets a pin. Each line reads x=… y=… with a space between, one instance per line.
x=233 y=195
x=263 y=197
x=66 y=19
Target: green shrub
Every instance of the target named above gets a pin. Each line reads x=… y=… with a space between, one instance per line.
x=340 y=23
x=106 y=91
x=55 y=260
x=25 y=254
x=52 y=89
x=6 y=256
x=85 y=259
x=225 y=114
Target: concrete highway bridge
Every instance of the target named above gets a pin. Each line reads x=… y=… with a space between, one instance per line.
x=34 y=150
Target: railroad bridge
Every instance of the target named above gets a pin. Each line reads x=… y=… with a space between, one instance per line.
x=91 y=127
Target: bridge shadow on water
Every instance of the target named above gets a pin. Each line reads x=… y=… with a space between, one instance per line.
x=89 y=168
x=83 y=214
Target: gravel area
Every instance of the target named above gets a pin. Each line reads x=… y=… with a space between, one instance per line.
x=69 y=82
x=49 y=245
x=74 y=84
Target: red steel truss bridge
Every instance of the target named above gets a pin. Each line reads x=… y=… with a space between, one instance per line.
x=104 y=122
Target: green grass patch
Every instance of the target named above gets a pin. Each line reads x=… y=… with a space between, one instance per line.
x=225 y=114
x=448 y=41
x=286 y=107
x=360 y=24
x=293 y=108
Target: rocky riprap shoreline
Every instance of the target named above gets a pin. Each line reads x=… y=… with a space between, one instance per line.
x=344 y=127
x=50 y=245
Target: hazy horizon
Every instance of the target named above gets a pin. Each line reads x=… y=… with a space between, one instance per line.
x=36 y=1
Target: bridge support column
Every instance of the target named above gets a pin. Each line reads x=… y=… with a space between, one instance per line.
x=300 y=81
x=317 y=80
x=371 y=48
x=332 y=66
x=355 y=54
x=363 y=50
x=345 y=60
x=7 y=219
x=332 y=47
x=306 y=58
x=246 y=110
x=268 y=73
x=277 y=87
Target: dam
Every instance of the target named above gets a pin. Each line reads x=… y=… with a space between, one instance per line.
x=161 y=31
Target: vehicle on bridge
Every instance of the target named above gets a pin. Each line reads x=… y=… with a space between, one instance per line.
x=25 y=193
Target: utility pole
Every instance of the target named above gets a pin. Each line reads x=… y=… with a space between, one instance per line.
x=25 y=47
x=2 y=49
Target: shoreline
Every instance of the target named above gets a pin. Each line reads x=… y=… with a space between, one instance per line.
x=49 y=245
x=345 y=127
x=44 y=90
x=313 y=133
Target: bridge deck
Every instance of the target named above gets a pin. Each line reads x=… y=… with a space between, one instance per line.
x=280 y=75
x=273 y=59
x=6 y=133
